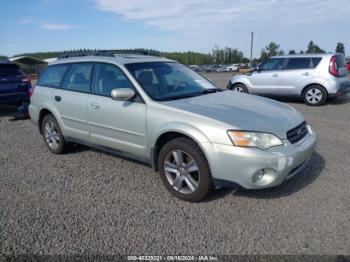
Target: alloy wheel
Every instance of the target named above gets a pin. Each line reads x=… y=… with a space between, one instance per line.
x=181 y=171
x=51 y=135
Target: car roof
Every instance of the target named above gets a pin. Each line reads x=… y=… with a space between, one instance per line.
x=305 y=55
x=117 y=58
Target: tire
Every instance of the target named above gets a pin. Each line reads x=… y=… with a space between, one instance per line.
x=315 y=95
x=52 y=135
x=192 y=183
x=240 y=88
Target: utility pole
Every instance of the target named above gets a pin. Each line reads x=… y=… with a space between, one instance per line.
x=251 y=48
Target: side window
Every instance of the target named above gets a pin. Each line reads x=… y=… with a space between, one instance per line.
x=272 y=64
x=299 y=63
x=52 y=76
x=78 y=78
x=109 y=77
x=316 y=61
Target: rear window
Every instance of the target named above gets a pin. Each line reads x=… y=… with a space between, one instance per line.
x=9 y=70
x=53 y=76
x=340 y=61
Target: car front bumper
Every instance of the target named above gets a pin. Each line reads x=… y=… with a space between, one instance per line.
x=232 y=165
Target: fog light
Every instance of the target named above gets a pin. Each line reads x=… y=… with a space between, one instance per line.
x=258 y=176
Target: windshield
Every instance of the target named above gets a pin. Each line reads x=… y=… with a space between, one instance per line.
x=169 y=80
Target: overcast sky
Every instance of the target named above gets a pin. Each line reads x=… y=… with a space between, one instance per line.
x=172 y=25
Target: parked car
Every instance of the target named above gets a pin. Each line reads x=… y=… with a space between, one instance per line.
x=314 y=77
x=14 y=84
x=162 y=113
x=233 y=68
x=348 y=65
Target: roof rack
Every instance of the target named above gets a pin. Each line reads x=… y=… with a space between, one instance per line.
x=108 y=53
x=87 y=53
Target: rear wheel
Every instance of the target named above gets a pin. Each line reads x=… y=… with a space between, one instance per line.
x=52 y=135
x=315 y=95
x=239 y=88
x=184 y=170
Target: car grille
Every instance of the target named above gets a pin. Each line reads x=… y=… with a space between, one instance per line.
x=298 y=133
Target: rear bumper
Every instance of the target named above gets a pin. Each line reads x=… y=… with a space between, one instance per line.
x=9 y=98
x=343 y=88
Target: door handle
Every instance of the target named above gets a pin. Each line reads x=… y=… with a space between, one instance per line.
x=275 y=75
x=95 y=106
x=306 y=74
x=58 y=98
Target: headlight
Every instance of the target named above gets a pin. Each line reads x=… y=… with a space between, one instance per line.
x=254 y=139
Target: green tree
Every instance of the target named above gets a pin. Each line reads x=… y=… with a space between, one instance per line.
x=340 y=48
x=3 y=58
x=271 y=49
x=313 y=48
x=291 y=52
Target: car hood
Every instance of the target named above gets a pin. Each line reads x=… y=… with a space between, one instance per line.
x=243 y=111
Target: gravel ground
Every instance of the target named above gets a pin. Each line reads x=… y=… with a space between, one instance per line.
x=90 y=202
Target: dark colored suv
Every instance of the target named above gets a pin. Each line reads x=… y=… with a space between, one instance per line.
x=14 y=84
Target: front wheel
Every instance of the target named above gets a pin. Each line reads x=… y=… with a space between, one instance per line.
x=315 y=95
x=240 y=88
x=184 y=170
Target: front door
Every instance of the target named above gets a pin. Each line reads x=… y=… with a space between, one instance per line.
x=265 y=81
x=118 y=125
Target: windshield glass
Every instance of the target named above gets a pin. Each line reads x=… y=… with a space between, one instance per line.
x=169 y=80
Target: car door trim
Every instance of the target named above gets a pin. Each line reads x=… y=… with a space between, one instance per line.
x=117 y=129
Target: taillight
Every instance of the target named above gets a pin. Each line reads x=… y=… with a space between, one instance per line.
x=31 y=91
x=27 y=79
x=333 y=68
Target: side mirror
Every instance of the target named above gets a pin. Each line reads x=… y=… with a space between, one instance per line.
x=122 y=94
x=257 y=69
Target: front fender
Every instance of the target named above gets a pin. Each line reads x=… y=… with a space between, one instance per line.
x=182 y=128
x=242 y=79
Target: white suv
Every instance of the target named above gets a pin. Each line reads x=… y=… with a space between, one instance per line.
x=314 y=77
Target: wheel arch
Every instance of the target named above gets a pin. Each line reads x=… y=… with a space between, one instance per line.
x=169 y=134
x=314 y=84
x=44 y=111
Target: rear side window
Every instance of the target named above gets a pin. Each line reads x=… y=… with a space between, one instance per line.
x=299 y=63
x=272 y=64
x=52 y=76
x=316 y=61
x=109 y=77
x=9 y=70
x=79 y=77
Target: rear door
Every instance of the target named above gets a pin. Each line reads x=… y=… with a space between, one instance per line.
x=265 y=81
x=69 y=95
x=297 y=73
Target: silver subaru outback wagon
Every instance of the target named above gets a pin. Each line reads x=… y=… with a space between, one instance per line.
x=160 y=112
x=313 y=77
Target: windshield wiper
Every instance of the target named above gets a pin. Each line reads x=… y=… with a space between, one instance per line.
x=206 y=91
x=212 y=90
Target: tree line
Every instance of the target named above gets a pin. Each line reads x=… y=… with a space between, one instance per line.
x=226 y=55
